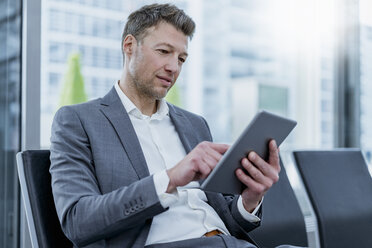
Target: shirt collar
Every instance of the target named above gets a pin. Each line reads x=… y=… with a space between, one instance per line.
x=131 y=109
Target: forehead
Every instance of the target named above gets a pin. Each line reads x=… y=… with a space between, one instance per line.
x=166 y=33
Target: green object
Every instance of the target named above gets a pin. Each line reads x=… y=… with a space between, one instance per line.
x=174 y=96
x=73 y=90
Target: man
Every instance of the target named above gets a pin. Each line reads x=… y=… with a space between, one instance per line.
x=123 y=167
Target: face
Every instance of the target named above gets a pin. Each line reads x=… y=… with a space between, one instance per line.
x=155 y=62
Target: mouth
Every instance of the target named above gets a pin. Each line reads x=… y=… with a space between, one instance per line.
x=166 y=81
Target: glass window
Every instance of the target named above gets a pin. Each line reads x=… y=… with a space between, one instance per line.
x=55 y=18
x=82 y=29
x=95 y=27
x=54 y=79
x=283 y=63
x=56 y=52
x=94 y=30
x=10 y=88
x=366 y=78
x=88 y=24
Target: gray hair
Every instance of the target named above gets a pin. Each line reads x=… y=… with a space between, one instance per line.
x=150 y=15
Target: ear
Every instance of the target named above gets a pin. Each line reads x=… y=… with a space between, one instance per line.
x=129 y=45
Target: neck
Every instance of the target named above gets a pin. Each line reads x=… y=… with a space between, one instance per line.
x=146 y=105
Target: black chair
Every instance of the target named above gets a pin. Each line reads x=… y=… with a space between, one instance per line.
x=35 y=181
x=282 y=220
x=340 y=189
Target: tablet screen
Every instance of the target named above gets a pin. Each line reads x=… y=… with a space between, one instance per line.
x=264 y=127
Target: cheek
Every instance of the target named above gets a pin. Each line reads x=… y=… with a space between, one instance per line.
x=158 y=63
x=177 y=73
x=136 y=66
x=131 y=68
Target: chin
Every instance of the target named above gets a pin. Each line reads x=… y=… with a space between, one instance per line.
x=161 y=94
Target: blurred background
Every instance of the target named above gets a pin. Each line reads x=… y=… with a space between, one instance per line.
x=309 y=60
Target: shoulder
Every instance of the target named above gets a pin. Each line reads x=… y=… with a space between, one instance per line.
x=77 y=113
x=80 y=108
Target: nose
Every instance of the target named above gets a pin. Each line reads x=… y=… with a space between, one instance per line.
x=172 y=65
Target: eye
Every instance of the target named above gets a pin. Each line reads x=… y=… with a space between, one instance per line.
x=182 y=60
x=163 y=51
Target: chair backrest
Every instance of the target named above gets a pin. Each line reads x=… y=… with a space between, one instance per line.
x=282 y=220
x=340 y=189
x=35 y=180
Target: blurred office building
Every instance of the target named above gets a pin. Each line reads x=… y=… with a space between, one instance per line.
x=90 y=28
x=10 y=114
x=240 y=61
x=268 y=72
x=366 y=89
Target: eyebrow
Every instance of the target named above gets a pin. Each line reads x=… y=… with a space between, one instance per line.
x=170 y=46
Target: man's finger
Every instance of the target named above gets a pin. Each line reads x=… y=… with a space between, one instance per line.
x=204 y=170
x=221 y=148
x=265 y=168
x=274 y=159
x=211 y=161
x=253 y=172
x=248 y=181
x=213 y=153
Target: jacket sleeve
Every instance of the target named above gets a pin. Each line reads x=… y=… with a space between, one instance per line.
x=86 y=215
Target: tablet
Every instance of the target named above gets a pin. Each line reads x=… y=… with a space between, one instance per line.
x=256 y=136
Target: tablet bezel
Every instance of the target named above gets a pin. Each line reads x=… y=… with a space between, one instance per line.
x=264 y=127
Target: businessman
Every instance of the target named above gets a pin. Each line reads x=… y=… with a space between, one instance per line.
x=124 y=166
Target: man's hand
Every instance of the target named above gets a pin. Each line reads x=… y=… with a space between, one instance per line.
x=260 y=177
x=196 y=165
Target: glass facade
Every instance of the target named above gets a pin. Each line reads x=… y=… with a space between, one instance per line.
x=10 y=81
x=259 y=56
x=90 y=28
x=366 y=78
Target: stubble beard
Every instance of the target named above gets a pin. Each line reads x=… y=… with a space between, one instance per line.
x=145 y=88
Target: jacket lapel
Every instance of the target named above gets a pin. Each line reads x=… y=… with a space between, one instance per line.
x=113 y=109
x=184 y=128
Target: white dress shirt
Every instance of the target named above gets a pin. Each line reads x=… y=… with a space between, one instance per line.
x=163 y=149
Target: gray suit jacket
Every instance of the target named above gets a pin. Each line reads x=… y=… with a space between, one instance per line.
x=103 y=192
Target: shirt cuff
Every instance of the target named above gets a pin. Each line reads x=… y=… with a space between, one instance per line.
x=251 y=217
x=161 y=181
